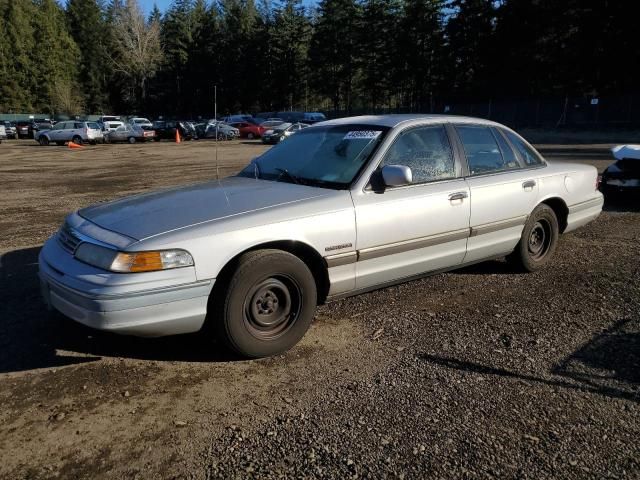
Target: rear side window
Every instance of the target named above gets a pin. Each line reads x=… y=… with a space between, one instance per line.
x=93 y=125
x=78 y=125
x=482 y=151
x=426 y=151
x=529 y=156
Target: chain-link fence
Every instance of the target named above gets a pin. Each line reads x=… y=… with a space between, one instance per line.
x=544 y=112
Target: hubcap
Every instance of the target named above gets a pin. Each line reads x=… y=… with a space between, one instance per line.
x=271 y=307
x=539 y=239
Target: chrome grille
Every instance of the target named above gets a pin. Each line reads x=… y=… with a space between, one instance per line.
x=68 y=239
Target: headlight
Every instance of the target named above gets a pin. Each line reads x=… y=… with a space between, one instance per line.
x=131 y=262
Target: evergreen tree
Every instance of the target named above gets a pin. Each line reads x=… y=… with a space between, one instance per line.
x=422 y=50
x=378 y=51
x=470 y=35
x=288 y=41
x=333 y=51
x=22 y=85
x=87 y=27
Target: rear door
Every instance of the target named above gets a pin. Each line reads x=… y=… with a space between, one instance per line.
x=503 y=193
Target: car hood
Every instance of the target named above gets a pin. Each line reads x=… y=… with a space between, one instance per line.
x=150 y=214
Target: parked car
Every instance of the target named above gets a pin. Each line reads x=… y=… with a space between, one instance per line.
x=342 y=207
x=623 y=176
x=269 y=124
x=248 y=130
x=3 y=132
x=129 y=132
x=10 y=129
x=71 y=131
x=237 y=118
x=281 y=132
x=111 y=125
x=166 y=129
x=313 y=117
x=25 y=128
x=224 y=130
x=142 y=122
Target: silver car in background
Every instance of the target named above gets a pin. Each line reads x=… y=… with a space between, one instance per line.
x=341 y=207
x=3 y=133
x=70 y=131
x=130 y=133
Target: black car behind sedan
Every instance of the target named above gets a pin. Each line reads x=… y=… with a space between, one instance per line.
x=166 y=129
x=623 y=176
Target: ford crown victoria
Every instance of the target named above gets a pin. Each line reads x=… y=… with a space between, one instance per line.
x=342 y=207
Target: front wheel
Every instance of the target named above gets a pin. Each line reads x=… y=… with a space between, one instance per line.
x=250 y=136
x=77 y=140
x=44 y=141
x=539 y=240
x=268 y=304
x=131 y=140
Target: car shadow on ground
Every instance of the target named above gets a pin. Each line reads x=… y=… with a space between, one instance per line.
x=622 y=203
x=609 y=365
x=31 y=337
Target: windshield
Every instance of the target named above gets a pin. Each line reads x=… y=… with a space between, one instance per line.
x=329 y=156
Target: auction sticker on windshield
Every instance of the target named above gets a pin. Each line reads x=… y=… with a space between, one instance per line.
x=362 y=134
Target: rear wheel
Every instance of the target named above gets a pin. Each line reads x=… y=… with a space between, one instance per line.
x=131 y=139
x=268 y=305
x=250 y=136
x=539 y=240
x=77 y=140
x=43 y=140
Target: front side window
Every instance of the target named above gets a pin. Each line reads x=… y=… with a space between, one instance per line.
x=529 y=156
x=482 y=150
x=329 y=157
x=426 y=151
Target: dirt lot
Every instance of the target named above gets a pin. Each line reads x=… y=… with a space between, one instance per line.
x=473 y=374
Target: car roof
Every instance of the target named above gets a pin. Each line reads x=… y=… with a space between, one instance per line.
x=397 y=119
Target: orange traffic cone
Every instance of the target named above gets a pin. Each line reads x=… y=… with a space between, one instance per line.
x=74 y=145
x=177 y=136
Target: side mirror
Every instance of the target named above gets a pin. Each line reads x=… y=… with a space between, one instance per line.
x=396 y=175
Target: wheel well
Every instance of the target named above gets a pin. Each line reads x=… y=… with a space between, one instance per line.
x=304 y=252
x=560 y=209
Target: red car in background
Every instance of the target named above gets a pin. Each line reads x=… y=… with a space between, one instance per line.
x=249 y=130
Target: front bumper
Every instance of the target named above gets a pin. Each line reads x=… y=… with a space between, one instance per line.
x=147 y=311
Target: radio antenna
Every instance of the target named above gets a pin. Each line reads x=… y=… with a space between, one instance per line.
x=215 y=119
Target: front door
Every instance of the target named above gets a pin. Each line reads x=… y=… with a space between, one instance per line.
x=417 y=228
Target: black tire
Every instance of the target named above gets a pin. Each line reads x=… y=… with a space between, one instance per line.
x=131 y=140
x=250 y=136
x=538 y=242
x=43 y=140
x=268 y=304
x=77 y=140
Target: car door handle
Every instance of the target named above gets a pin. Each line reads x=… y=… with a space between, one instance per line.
x=529 y=184
x=458 y=196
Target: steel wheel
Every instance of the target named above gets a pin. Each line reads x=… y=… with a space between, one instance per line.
x=266 y=305
x=539 y=239
x=271 y=307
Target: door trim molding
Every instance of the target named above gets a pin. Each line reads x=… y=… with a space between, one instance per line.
x=378 y=251
x=500 y=225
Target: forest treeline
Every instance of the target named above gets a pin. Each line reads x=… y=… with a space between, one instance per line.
x=94 y=56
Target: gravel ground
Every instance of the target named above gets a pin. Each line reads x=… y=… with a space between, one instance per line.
x=478 y=373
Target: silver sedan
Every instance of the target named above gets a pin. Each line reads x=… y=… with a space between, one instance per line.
x=342 y=207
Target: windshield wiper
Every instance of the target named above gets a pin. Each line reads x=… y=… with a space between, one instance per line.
x=285 y=173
